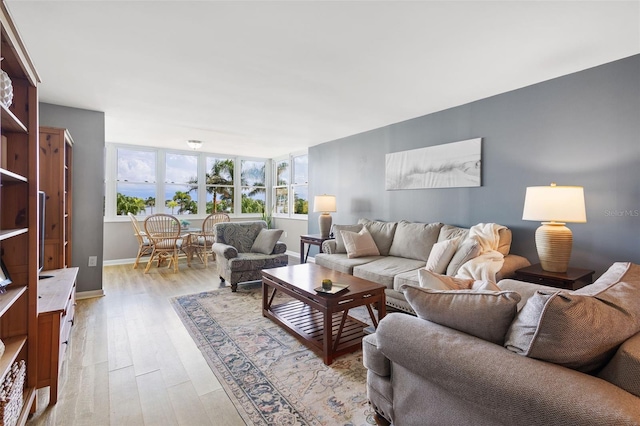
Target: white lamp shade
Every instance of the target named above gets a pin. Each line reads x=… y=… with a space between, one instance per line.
x=554 y=204
x=324 y=203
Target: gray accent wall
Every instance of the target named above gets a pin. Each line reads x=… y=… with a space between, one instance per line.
x=88 y=132
x=580 y=129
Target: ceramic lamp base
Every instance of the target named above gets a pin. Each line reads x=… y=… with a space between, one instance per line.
x=553 y=242
x=324 y=220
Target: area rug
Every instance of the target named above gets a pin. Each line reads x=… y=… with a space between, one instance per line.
x=271 y=377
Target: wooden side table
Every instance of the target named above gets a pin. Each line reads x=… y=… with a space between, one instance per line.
x=310 y=240
x=573 y=279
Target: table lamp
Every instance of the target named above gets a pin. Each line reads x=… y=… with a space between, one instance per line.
x=325 y=204
x=554 y=206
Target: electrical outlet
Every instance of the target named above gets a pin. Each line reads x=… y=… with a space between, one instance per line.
x=93 y=260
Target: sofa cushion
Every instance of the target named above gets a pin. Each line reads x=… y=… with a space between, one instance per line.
x=266 y=241
x=466 y=250
x=255 y=261
x=504 y=244
x=383 y=270
x=340 y=248
x=382 y=233
x=484 y=314
x=441 y=255
x=582 y=329
x=624 y=369
x=359 y=244
x=414 y=240
x=448 y=232
x=341 y=263
x=406 y=278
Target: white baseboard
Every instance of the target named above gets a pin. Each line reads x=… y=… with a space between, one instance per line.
x=89 y=294
x=144 y=260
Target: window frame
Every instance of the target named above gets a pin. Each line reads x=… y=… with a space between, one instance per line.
x=290 y=186
x=111 y=182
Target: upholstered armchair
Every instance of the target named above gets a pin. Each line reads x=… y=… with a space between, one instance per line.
x=242 y=249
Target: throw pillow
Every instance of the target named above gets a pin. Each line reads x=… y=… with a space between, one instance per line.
x=266 y=241
x=483 y=314
x=359 y=244
x=340 y=248
x=467 y=250
x=441 y=255
x=428 y=279
x=382 y=233
x=579 y=331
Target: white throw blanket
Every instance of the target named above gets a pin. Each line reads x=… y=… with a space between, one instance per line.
x=490 y=261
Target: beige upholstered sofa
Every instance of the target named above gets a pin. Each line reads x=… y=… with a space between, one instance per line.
x=404 y=248
x=243 y=249
x=565 y=358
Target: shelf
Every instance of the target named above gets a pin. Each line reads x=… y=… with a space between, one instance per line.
x=10 y=233
x=12 y=348
x=7 y=176
x=9 y=298
x=29 y=397
x=10 y=122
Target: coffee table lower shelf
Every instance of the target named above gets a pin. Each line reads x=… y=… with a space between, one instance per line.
x=307 y=324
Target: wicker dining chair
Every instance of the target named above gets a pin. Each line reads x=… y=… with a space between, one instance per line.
x=144 y=244
x=201 y=243
x=163 y=230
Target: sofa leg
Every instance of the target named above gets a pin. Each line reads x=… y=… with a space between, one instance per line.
x=221 y=280
x=234 y=287
x=380 y=421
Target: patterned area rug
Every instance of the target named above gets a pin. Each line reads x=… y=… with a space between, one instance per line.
x=272 y=378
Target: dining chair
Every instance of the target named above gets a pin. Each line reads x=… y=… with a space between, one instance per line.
x=144 y=244
x=163 y=230
x=201 y=243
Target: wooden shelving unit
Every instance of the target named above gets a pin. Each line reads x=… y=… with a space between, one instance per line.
x=19 y=211
x=56 y=154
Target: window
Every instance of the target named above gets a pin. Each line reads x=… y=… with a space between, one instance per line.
x=181 y=183
x=135 y=182
x=281 y=187
x=254 y=189
x=290 y=189
x=299 y=187
x=219 y=183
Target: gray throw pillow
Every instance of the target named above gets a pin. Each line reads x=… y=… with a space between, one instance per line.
x=582 y=329
x=480 y=313
x=340 y=247
x=414 y=240
x=266 y=241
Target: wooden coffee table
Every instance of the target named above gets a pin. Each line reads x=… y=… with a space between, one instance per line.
x=310 y=314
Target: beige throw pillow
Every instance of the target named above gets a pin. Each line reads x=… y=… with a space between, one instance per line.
x=467 y=250
x=340 y=248
x=580 y=331
x=440 y=256
x=484 y=314
x=266 y=241
x=359 y=244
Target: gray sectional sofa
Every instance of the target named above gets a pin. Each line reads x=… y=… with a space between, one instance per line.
x=566 y=358
x=404 y=249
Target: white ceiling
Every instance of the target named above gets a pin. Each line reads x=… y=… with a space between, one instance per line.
x=265 y=78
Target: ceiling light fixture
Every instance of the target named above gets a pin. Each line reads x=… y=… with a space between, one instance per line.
x=194 y=144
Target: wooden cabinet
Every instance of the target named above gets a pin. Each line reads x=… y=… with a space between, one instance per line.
x=56 y=153
x=56 y=314
x=18 y=210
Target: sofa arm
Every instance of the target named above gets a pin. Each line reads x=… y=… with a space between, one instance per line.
x=279 y=248
x=624 y=368
x=512 y=262
x=225 y=250
x=329 y=246
x=372 y=358
x=496 y=382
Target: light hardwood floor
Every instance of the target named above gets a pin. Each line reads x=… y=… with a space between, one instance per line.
x=130 y=360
